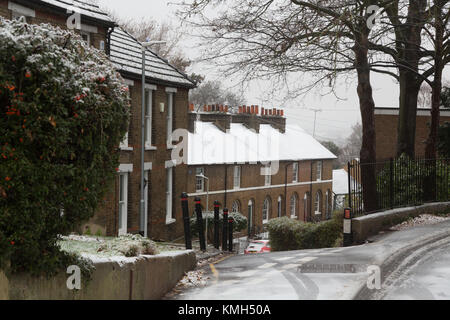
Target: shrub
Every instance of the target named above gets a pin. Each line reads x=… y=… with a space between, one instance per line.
x=64 y=110
x=286 y=234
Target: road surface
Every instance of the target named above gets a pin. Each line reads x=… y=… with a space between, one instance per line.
x=414 y=264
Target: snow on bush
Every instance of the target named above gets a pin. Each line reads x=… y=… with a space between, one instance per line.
x=63 y=112
x=128 y=246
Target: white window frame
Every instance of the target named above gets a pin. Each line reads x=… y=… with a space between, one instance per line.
x=20 y=11
x=123 y=203
x=266 y=211
x=317 y=203
x=319 y=170
x=199 y=171
x=236 y=207
x=237 y=177
x=293 y=206
x=124 y=145
x=169 y=196
x=170 y=109
x=268 y=177
x=280 y=207
x=88 y=35
x=148 y=116
x=295 y=171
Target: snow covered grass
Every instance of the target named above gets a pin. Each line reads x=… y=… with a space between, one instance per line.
x=103 y=247
x=424 y=219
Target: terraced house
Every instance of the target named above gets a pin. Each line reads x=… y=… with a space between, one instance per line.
x=230 y=152
x=166 y=105
x=245 y=143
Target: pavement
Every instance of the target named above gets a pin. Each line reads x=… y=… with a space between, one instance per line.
x=333 y=274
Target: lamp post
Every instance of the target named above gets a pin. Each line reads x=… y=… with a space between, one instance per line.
x=143 y=215
x=202 y=176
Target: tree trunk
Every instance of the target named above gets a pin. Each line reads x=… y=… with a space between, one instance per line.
x=431 y=148
x=367 y=105
x=409 y=40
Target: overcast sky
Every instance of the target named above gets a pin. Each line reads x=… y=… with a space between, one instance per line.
x=337 y=117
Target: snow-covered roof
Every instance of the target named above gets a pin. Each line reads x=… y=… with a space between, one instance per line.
x=126 y=54
x=209 y=145
x=87 y=8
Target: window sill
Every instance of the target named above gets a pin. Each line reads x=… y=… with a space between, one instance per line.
x=150 y=148
x=170 y=221
x=318 y=213
x=126 y=148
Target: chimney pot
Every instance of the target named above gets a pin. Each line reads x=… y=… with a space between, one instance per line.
x=282 y=113
x=256 y=110
x=209 y=108
x=253 y=109
x=262 y=111
x=266 y=113
x=240 y=109
x=226 y=109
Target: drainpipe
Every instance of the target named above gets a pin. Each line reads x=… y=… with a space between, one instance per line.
x=311 y=194
x=226 y=186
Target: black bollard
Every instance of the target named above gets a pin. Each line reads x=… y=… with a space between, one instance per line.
x=230 y=230
x=187 y=225
x=225 y=230
x=216 y=225
x=201 y=230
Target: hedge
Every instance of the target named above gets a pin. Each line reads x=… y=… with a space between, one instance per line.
x=63 y=111
x=286 y=234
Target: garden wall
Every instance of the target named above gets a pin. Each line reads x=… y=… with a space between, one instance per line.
x=148 y=278
x=370 y=225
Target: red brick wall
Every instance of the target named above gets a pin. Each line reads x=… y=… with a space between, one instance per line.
x=386 y=134
x=251 y=178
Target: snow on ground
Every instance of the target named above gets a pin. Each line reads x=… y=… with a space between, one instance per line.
x=424 y=219
x=125 y=249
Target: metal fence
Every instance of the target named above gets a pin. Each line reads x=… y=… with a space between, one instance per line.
x=400 y=182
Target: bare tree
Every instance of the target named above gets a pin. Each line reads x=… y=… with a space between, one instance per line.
x=276 y=39
x=211 y=92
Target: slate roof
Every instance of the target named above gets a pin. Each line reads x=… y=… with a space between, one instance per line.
x=126 y=55
x=125 y=51
x=85 y=7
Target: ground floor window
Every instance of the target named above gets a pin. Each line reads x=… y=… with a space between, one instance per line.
x=294 y=201
x=318 y=203
x=266 y=210
x=123 y=203
x=236 y=207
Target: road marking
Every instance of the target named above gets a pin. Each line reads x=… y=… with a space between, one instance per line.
x=267 y=265
x=307 y=259
x=214 y=271
x=290 y=266
x=284 y=259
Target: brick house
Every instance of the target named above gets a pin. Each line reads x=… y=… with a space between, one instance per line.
x=232 y=148
x=386 y=124
x=166 y=106
x=301 y=187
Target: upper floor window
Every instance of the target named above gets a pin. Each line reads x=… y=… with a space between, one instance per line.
x=170 y=114
x=295 y=172
x=18 y=11
x=199 y=181
x=86 y=36
x=124 y=145
x=319 y=170
x=237 y=177
x=267 y=177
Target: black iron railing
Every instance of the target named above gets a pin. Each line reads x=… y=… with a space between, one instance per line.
x=400 y=182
